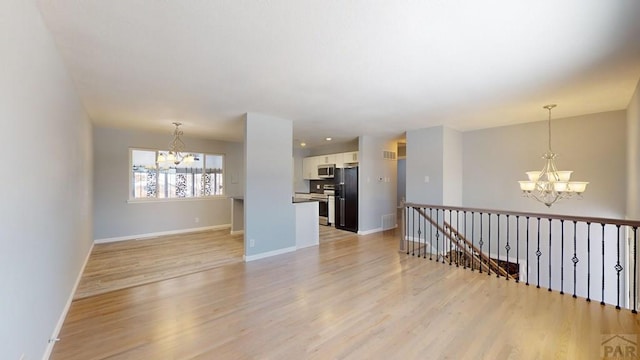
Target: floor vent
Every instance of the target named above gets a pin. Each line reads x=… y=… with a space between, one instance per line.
x=388 y=221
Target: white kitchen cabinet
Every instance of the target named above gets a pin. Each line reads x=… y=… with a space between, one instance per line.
x=350 y=157
x=310 y=168
x=327 y=159
x=339 y=160
x=346 y=158
x=310 y=164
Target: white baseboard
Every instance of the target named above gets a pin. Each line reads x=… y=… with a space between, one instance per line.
x=416 y=240
x=268 y=254
x=237 y=232
x=161 y=233
x=307 y=245
x=65 y=311
x=372 y=231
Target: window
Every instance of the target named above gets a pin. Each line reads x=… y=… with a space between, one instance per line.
x=203 y=177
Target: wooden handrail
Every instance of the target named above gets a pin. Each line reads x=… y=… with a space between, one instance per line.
x=586 y=219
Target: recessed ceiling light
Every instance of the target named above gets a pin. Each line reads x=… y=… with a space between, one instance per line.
x=303 y=144
x=328 y=139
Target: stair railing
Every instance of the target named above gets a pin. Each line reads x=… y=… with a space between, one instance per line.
x=460 y=243
x=586 y=256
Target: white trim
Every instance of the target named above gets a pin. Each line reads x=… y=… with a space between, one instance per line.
x=306 y=246
x=166 y=200
x=65 y=311
x=417 y=240
x=372 y=231
x=268 y=254
x=237 y=232
x=161 y=233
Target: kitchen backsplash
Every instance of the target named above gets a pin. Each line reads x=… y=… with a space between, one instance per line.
x=317 y=186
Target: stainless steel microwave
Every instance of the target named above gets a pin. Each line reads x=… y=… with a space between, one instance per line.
x=326 y=171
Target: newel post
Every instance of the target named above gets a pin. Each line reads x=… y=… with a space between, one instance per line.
x=403 y=229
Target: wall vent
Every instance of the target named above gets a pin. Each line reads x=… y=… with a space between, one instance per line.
x=388 y=155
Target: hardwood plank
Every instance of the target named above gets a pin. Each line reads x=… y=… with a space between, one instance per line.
x=330 y=233
x=352 y=298
x=124 y=264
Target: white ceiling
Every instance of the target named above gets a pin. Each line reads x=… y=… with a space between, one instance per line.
x=345 y=68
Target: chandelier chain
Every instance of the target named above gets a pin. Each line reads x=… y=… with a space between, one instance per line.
x=549 y=107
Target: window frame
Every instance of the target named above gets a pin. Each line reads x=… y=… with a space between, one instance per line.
x=130 y=179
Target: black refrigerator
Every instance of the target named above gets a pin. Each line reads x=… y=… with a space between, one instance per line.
x=346 y=185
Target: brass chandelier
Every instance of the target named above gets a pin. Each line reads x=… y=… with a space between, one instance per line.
x=176 y=153
x=550 y=185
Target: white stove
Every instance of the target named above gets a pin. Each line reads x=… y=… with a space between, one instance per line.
x=330 y=192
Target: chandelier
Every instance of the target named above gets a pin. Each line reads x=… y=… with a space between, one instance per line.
x=550 y=185
x=176 y=153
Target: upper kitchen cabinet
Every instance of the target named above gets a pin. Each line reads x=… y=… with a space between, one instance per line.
x=346 y=158
x=310 y=164
x=327 y=159
x=350 y=157
x=310 y=167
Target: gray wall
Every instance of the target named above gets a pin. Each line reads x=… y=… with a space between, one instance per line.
x=376 y=197
x=633 y=156
x=115 y=217
x=452 y=167
x=593 y=146
x=269 y=216
x=45 y=216
x=424 y=159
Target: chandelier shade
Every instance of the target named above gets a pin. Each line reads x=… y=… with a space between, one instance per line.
x=549 y=184
x=176 y=154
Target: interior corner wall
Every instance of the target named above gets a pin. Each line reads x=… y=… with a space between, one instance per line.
x=593 y=146
x=116 y=218
x=46 y=215
x=377 y=183
x=633 y=156
x=425 y=157
x=269 y=216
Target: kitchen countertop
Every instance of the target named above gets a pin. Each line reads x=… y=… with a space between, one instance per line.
x=298 y=200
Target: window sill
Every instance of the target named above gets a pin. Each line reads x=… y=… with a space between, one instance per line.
x=154 y=201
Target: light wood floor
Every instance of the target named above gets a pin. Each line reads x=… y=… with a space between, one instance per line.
x=352 y=298
x=330 y=233
x=125 y=264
